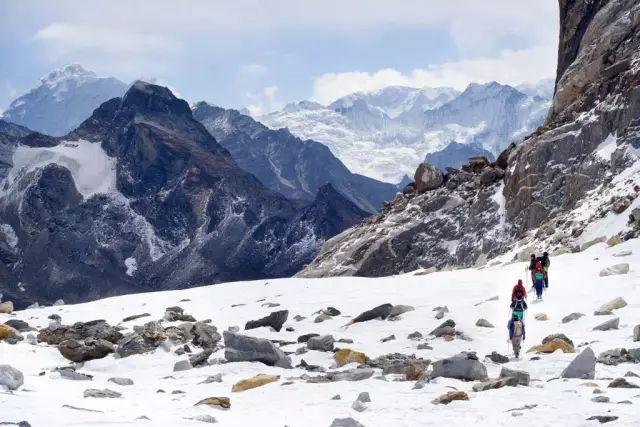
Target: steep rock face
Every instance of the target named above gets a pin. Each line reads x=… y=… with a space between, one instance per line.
x=142 y=197
x=295 y=168
x=591 y=136
x=575 y=179
x=455 y=155
x=62 y=100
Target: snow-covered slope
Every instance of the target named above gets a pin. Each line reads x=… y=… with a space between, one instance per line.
x=165 y=397
x=385 y=134
x=62 y=100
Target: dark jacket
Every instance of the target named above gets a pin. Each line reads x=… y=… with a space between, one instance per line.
x=512 y=329
x=532 y=264
x=521 y=302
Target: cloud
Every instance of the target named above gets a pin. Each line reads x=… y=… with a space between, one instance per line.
x=264 y=101
x=508 y=67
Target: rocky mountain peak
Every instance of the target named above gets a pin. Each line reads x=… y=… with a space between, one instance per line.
x=69 y=72
x=152 y=98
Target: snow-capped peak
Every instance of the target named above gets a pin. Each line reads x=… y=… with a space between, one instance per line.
x=70 y=72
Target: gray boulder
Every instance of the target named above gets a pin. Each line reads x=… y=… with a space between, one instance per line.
x=380 y=312
x=89 y=349
x=495 y=383
x=583 y=366
x=69 y=373
x=355 y=374
x=484 y=323
x=345 y=422
x=496 y=357
x=463 y=366
x=104 y=393
x=427 y=177
x=275 y=320
x=636 y=333
x=446 y=328
x=200 y=358
x=241 y=348
x=99 y=329
x=523 y=376
x=321 y=343
x=399 y=309
x=614 y=304
x=182 y=365
x=19 y=325
x=615 y=270
x=358 y=406
x=571 y=317
x=205 y=335
x=10 y=377
x=121 y=381
x=144 y=339
x=608 y=325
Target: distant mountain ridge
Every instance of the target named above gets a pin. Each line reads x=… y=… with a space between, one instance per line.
x=385 y=134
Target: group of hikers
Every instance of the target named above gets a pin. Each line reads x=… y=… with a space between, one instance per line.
x=539 y=269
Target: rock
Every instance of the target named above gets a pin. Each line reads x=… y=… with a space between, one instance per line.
x=178 y=334
x=19 y=325
x=571 y=317
x=424 y=346
x=304 y=338
x=449 y=397
x=380 y=312
x=70 y=373
x=217 y=378
x=495 y=383
x=89 y=349
x=200 y=358
x=10 y=377
x=401 y=364
x=587 y=245
x=613 y=304
x=321 y=318
x=600 y=399
x=621 y=383
x=98 y=329
x=445 y=328
x=414 y=336
x=439 y=315
x=389 y=338
x=241 y=348
x=298 y=318
x=399 y=309
x=358 y=406
x=345 y=356
x=523 y=377
x=562 y=337
x=631 y=374
x=6 y=307
x=9 y=334
x=135 y=317
x=321 y=343
x=602 y=419
x=58 y=302
x=336 y=397
x=121 y=381
x=608 y=325
x=257 y=381
x=583 y=366
x=205 y=335
x=614 y=240
x=621 y=254
x=346 y=340
x=345 y=422
x=104 y=393
x=364 y=397
x=464 y=366
x=636 y=333
x=182 y=365
x=551 y=346
x=541 y=317
x=427 y=178
x=205 y=418
x=357 y=374
x=275 y=320
x=615 y=270
x=615 y=357
x=483 y=323
x=497 y=357
x=602 y=313
x=217 y=402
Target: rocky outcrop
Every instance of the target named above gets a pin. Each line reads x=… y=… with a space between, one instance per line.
x=590 y=137
x=241 y=348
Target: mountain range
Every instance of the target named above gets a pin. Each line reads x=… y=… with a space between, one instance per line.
x=141 y=197
x=385 y=134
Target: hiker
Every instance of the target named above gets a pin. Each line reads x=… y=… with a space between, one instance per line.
x=519 y=287
x=539 y=279
x=546 y=262
x=516 y=333
x=532 y=267
x=519 y=305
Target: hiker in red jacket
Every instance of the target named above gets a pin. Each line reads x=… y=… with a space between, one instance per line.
x=518 y=288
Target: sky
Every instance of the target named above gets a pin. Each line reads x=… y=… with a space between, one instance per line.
x=262 y=54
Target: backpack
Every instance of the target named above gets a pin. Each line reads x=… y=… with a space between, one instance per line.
x=518 y=305
x=517 y=329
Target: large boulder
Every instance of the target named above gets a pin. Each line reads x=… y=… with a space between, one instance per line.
x=615 y=270
x=411 y=367
x=583 y=366
x=608 y=325
x=241 y=348
x=636 y=333
x=553 y=345
x=495 y=383
x=463 y=366
x=144 y=339
x=205 y=335
x=9 y=334
x=449 y=397
x=523 y=376
x=380 y=312
x=321 y=343
x=10 y=377
x=89 y=349
x=345 y=356
x=613 y=304
x=427 y=177
x=54 y=334
x=275 y=320
x=19 y=325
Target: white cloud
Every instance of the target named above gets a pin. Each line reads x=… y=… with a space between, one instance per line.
x=264 y=101
x=508 y=67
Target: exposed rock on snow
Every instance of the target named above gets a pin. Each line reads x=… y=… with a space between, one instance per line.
x=104 y=393
x=344 y=356
x=583 y=366
x=275 y=320
x=257 y=381
x=241 y=348
x=449 y=397
x=90 y=349
x=614 y=304
x=464 y=366
x=523 y=377
x=321 y=343
x=10 y=377
x=608 y=325
x=615 y=270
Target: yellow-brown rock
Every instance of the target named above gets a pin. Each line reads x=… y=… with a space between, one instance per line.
x=5 y=332
x=541 y=317
x=257 y=381
x=551 y=346
x=345 y=356
x=449 y=397
x=222 y=402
